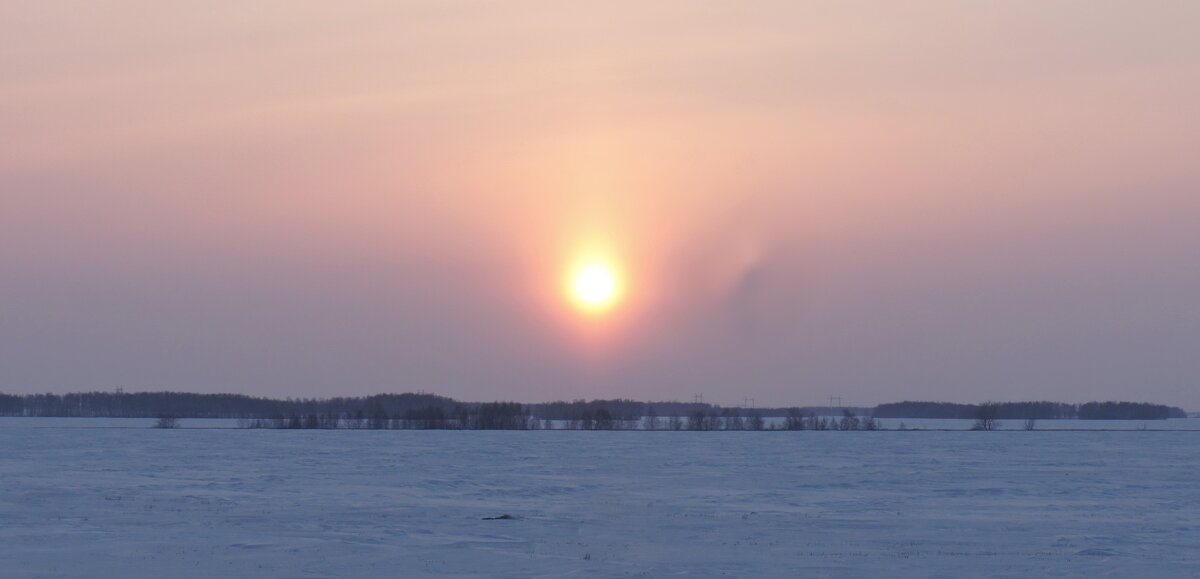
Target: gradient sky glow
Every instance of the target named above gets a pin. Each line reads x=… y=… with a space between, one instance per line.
x=950 y=200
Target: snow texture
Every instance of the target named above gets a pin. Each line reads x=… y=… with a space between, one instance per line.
x=122 y=502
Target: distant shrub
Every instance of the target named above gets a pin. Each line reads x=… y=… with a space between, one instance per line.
x=985 y=417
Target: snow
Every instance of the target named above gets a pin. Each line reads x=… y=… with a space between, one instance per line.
x=79 y=499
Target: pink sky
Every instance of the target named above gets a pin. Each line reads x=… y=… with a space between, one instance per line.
x=949 y=200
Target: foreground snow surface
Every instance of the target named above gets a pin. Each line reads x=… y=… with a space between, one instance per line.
x=123 y=502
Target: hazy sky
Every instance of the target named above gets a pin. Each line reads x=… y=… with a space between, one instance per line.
x=949 y=200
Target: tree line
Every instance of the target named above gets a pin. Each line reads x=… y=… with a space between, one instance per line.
x=1030 y=410
x=435 y=409
x=515 y=416
x=431 y=411
x=120 y=404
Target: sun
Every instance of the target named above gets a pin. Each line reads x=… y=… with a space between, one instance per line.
x=595 y=287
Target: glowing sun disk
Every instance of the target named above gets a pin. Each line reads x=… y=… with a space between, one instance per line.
x=595 y=286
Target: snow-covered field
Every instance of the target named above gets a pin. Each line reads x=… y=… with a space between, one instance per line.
x=140 y=502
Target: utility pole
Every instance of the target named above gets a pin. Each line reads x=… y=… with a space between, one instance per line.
x=698 y=399
x=839 y=401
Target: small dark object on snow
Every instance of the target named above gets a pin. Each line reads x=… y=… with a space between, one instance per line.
x=500 y=518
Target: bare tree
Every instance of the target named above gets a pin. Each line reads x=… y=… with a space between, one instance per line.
x=755 y=422
x=604 y=420
x=794 y=420
x=818 y=422
x=849 y=420
x=985 y=417
x=733 y=419
x=650 y=421
x=379 y=419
